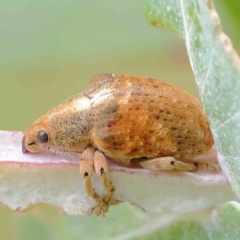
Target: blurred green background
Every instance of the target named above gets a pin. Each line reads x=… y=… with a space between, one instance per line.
x=49 y=50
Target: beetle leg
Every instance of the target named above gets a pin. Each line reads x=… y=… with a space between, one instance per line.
x=166 y=163
x=86 y=171
x=101 y=168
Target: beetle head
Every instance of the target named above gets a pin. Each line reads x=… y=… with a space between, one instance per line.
x=37 y=137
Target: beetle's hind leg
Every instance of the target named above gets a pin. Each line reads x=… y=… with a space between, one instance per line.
x=86 y=171
x=167 y=164
x=101 y=169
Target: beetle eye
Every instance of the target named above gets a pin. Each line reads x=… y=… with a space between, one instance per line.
x=42 y=136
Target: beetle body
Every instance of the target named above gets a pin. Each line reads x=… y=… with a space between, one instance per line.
x=141 y=117
x=126 y=118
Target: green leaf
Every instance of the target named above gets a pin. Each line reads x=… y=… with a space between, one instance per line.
x=179 y=193
x=224 y=224
x=166 y=14
x=126 y=222
x=216 y=68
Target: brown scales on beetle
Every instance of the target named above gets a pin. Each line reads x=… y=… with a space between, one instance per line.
x=125 y=118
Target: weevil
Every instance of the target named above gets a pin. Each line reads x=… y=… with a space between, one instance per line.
x=126 y=118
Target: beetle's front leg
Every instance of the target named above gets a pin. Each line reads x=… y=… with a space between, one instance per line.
x=86 y=171
x=101 y=168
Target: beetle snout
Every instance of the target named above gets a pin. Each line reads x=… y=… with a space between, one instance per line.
x=24 y=149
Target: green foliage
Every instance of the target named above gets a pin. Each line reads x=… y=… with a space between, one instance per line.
x=126 y=222
x=216 y=68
